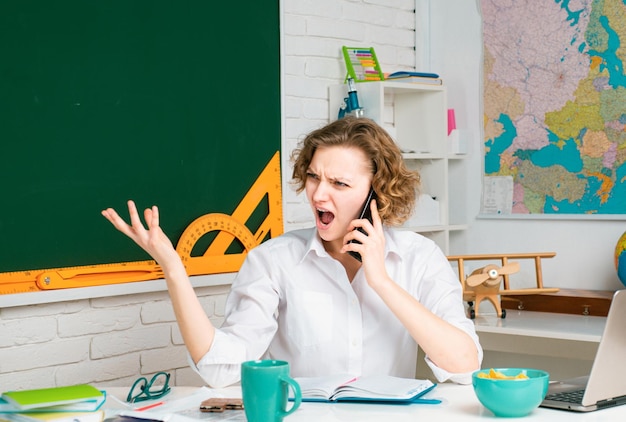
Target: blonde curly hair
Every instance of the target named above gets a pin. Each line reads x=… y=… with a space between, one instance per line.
x=395 y=185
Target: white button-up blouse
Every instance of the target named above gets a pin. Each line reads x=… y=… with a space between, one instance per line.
x=292 y=301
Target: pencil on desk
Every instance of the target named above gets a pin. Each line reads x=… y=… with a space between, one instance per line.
x=150 y=406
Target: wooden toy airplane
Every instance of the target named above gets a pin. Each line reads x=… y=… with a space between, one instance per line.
x=485 y=283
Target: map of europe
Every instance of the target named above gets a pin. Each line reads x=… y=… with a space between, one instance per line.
x=554 y=103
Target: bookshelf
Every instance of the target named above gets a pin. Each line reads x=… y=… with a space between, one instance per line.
x=415 y=115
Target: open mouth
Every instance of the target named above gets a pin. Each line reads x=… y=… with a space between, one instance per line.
x=325 y=217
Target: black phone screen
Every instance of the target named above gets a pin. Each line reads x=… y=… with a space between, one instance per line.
x=366 y=213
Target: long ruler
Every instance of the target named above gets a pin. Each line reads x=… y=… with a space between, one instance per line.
x=213 y=260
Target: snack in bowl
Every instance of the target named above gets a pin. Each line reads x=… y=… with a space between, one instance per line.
x=496 y=375
x=510 y=392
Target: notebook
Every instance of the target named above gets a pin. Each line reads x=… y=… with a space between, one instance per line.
x=72 y=398
x=367 y=389
x=605 y=386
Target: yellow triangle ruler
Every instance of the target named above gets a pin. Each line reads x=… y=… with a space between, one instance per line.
x=215 y=259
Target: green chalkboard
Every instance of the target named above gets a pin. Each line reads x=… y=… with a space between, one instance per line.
x=173 y=103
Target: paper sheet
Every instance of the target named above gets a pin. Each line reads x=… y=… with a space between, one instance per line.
x=497 y=195
x=183 y=409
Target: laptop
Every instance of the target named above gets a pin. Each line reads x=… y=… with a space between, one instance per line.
x=605 y=386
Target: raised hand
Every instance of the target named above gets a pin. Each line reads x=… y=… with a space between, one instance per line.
x=196 y=328
x=151 y=239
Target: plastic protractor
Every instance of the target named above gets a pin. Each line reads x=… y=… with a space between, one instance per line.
x=214 y=260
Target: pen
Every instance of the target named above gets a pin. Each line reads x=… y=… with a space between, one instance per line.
x=150 y=406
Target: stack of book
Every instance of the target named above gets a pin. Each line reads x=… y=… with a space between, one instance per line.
x=415 y=77
x=77 y=403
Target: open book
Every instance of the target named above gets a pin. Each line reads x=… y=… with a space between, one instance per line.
x=373 y=388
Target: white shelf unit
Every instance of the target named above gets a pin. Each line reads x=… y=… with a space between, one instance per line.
x=415 y=115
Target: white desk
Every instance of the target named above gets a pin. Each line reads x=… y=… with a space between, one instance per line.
x=564 y=345
x=459 y=403
x=578 y=328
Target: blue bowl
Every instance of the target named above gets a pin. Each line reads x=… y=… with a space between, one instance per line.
x=511 y=397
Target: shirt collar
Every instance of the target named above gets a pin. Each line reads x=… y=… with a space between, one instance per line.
x=316 y=246
x=391 y=245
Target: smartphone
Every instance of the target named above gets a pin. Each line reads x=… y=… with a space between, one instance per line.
x=366 y=212
x=218 y=405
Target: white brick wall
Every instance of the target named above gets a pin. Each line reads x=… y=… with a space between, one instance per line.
x=314 y=32
x=108 y=341
x=112 y=341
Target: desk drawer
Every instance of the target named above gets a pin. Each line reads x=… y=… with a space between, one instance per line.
x=565 y=301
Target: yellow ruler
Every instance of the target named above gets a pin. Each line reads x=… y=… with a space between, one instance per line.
x=213 y=260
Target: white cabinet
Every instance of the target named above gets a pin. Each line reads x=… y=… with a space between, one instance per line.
x=415 y=115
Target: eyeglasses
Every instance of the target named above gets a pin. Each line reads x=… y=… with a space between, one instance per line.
x=143 y=389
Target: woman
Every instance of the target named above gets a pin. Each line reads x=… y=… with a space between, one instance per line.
x=303 y=298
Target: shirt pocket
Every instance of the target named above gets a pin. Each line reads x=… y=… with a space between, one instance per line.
x=311 y=316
